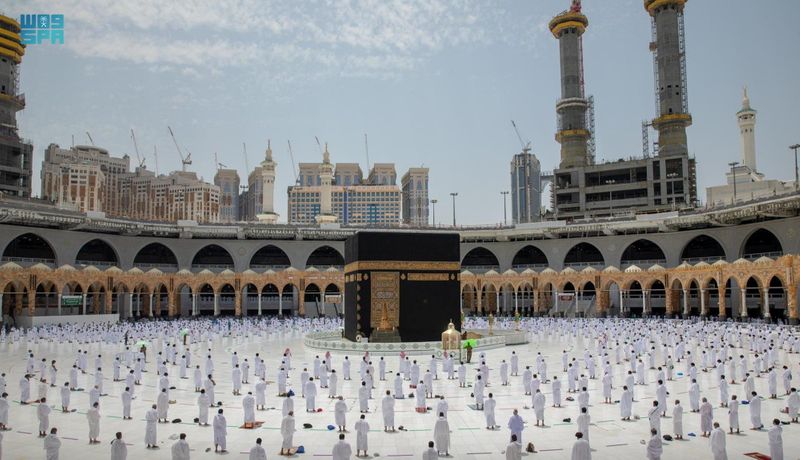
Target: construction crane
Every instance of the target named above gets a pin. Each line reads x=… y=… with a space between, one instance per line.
x=136 y=148
x=294 y=167
x=219 y=165
x=155 y=155
x=366 y=148
x=526 y=147
x=90 y=138
x=185 y=160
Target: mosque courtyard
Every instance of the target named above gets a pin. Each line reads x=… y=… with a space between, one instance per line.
x=610 y=437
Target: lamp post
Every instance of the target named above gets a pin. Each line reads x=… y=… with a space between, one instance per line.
x=733 y=165
x=505 y=215
x=454 y=195
x=433 y=202
x=796 y=178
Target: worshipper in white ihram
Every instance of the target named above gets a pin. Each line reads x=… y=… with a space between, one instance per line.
x=516 y=425
x=249 y=407
x=441 y=434
x=677 y=420
x=151 y=417
x=180 y=450
x=514 y=449
x=387 y=408
x=257 y=452
x=342 y=450
x=706 y=417
x=581 y=449
x=287 y=432
x=340 y=411
x=776 y=440
x=654 y=446
x=220 y=432
x=362 y=430
x=119 y=450
x=717 y=440
x=488 y=412
x=43 y=414
x=52 y=445
x=93 y=417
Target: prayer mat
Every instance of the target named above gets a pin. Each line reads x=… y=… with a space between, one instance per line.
x=757 y=455
x=252 y=426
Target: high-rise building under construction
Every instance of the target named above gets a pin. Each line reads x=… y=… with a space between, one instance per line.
x=584 y=188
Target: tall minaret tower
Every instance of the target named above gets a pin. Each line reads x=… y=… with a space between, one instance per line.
x=747 y=130
x=325 y=215
x=268 y=215
x=669 y=60
x=567 y=28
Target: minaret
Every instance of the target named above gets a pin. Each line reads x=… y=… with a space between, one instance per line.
x=567 y=28
x=669 y=58
x=747 y=130
x=325 y=215
x=268 y=215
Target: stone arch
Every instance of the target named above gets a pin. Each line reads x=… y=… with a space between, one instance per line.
x=185 y=299
x=530 y=257
x=480 y=259
x=777 y=300
x=120 y=299
x=312 y=300
x=489 y=299
x=753 y=297
x=205 y=299
x=227 y=299
x=657 y=298
x=324 y=257
x=702 y=248
x=635 y=296
x=269 y=257
x=525 y=294
x=46 y=299
x=507 y=299
x=469 y=298
x=249 y=296
x=29 y=249
x=761 y=242
x=546 y=297
x=674 y=305
x=334 y=290
x=643 y=253
x=97 y=252
x=290 y=298
x=212 y=257
x=155 y=255
x=584 y=254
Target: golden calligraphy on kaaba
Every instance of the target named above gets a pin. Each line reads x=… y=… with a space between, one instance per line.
x=428 y=277
x=385 y=298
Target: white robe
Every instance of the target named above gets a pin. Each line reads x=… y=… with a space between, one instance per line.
x=362 y=430
x=93 y=416
x=516 y=425
x=677 y=419
x=514 y=451
x=706 y=417
x=249 y=405
x=717 y=440
x=311 y=394
x=339 y=410
x=257 y=453
x=287 y=431
x=441 y=435
x=387 y=408
x=220 y=431
x=776 y=442
x=655 y=448
x=488 y=412
x=43 y=414
x=51 y=446
x=180 y=450
x=151 y=417
x=755 y=411
x=581 y=450
x=538 y=406
x=162 y=405
x=119 y=451
x=626 y=404
x=583 y=425
x=202 y=406
x=342 y=451
x=430 y=454
x=126 y=404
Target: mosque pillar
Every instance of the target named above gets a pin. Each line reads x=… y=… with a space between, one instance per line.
x=83 y=302
x=721 y=293
x=216 y=303
x=109 y=301
x=259 y=303
x=479 y=296
x=156 y=310
x=685 y=303
x=516 y=302
x=194 y=304
x=535 y=301
x=791 y=303
x=703 y=308
x=130 y=304
x=96 y=303
x=237 y=303
x=644 y=302
x=744 y=302
x=621 y=301
x=497 y=302
x=301 y=304
x=766 y=303
x=59 y=303
x=280 y=304
x=171 y=304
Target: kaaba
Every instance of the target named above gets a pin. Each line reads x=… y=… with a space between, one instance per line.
x=401 y=285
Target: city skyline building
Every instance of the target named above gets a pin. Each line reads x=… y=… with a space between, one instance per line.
x=228 y=182
x=16 y=153
x=414 y=184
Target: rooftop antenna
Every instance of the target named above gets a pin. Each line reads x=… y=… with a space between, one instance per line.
x=185 y=160
x=366 y=148
x=294 y=168
x=73 y=140
x=136 y=148
x=526 y=147
x=90 y=138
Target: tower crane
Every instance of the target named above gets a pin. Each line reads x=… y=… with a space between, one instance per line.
x=90 y=138
x=219 y=165
x=185 y=160
x=136 y=148
x=294 y=167
x=246 y=161
x=526 y=147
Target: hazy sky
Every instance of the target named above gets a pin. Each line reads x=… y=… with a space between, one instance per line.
x=433 y=82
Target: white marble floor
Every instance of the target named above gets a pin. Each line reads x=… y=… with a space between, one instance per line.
x=610 y=437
